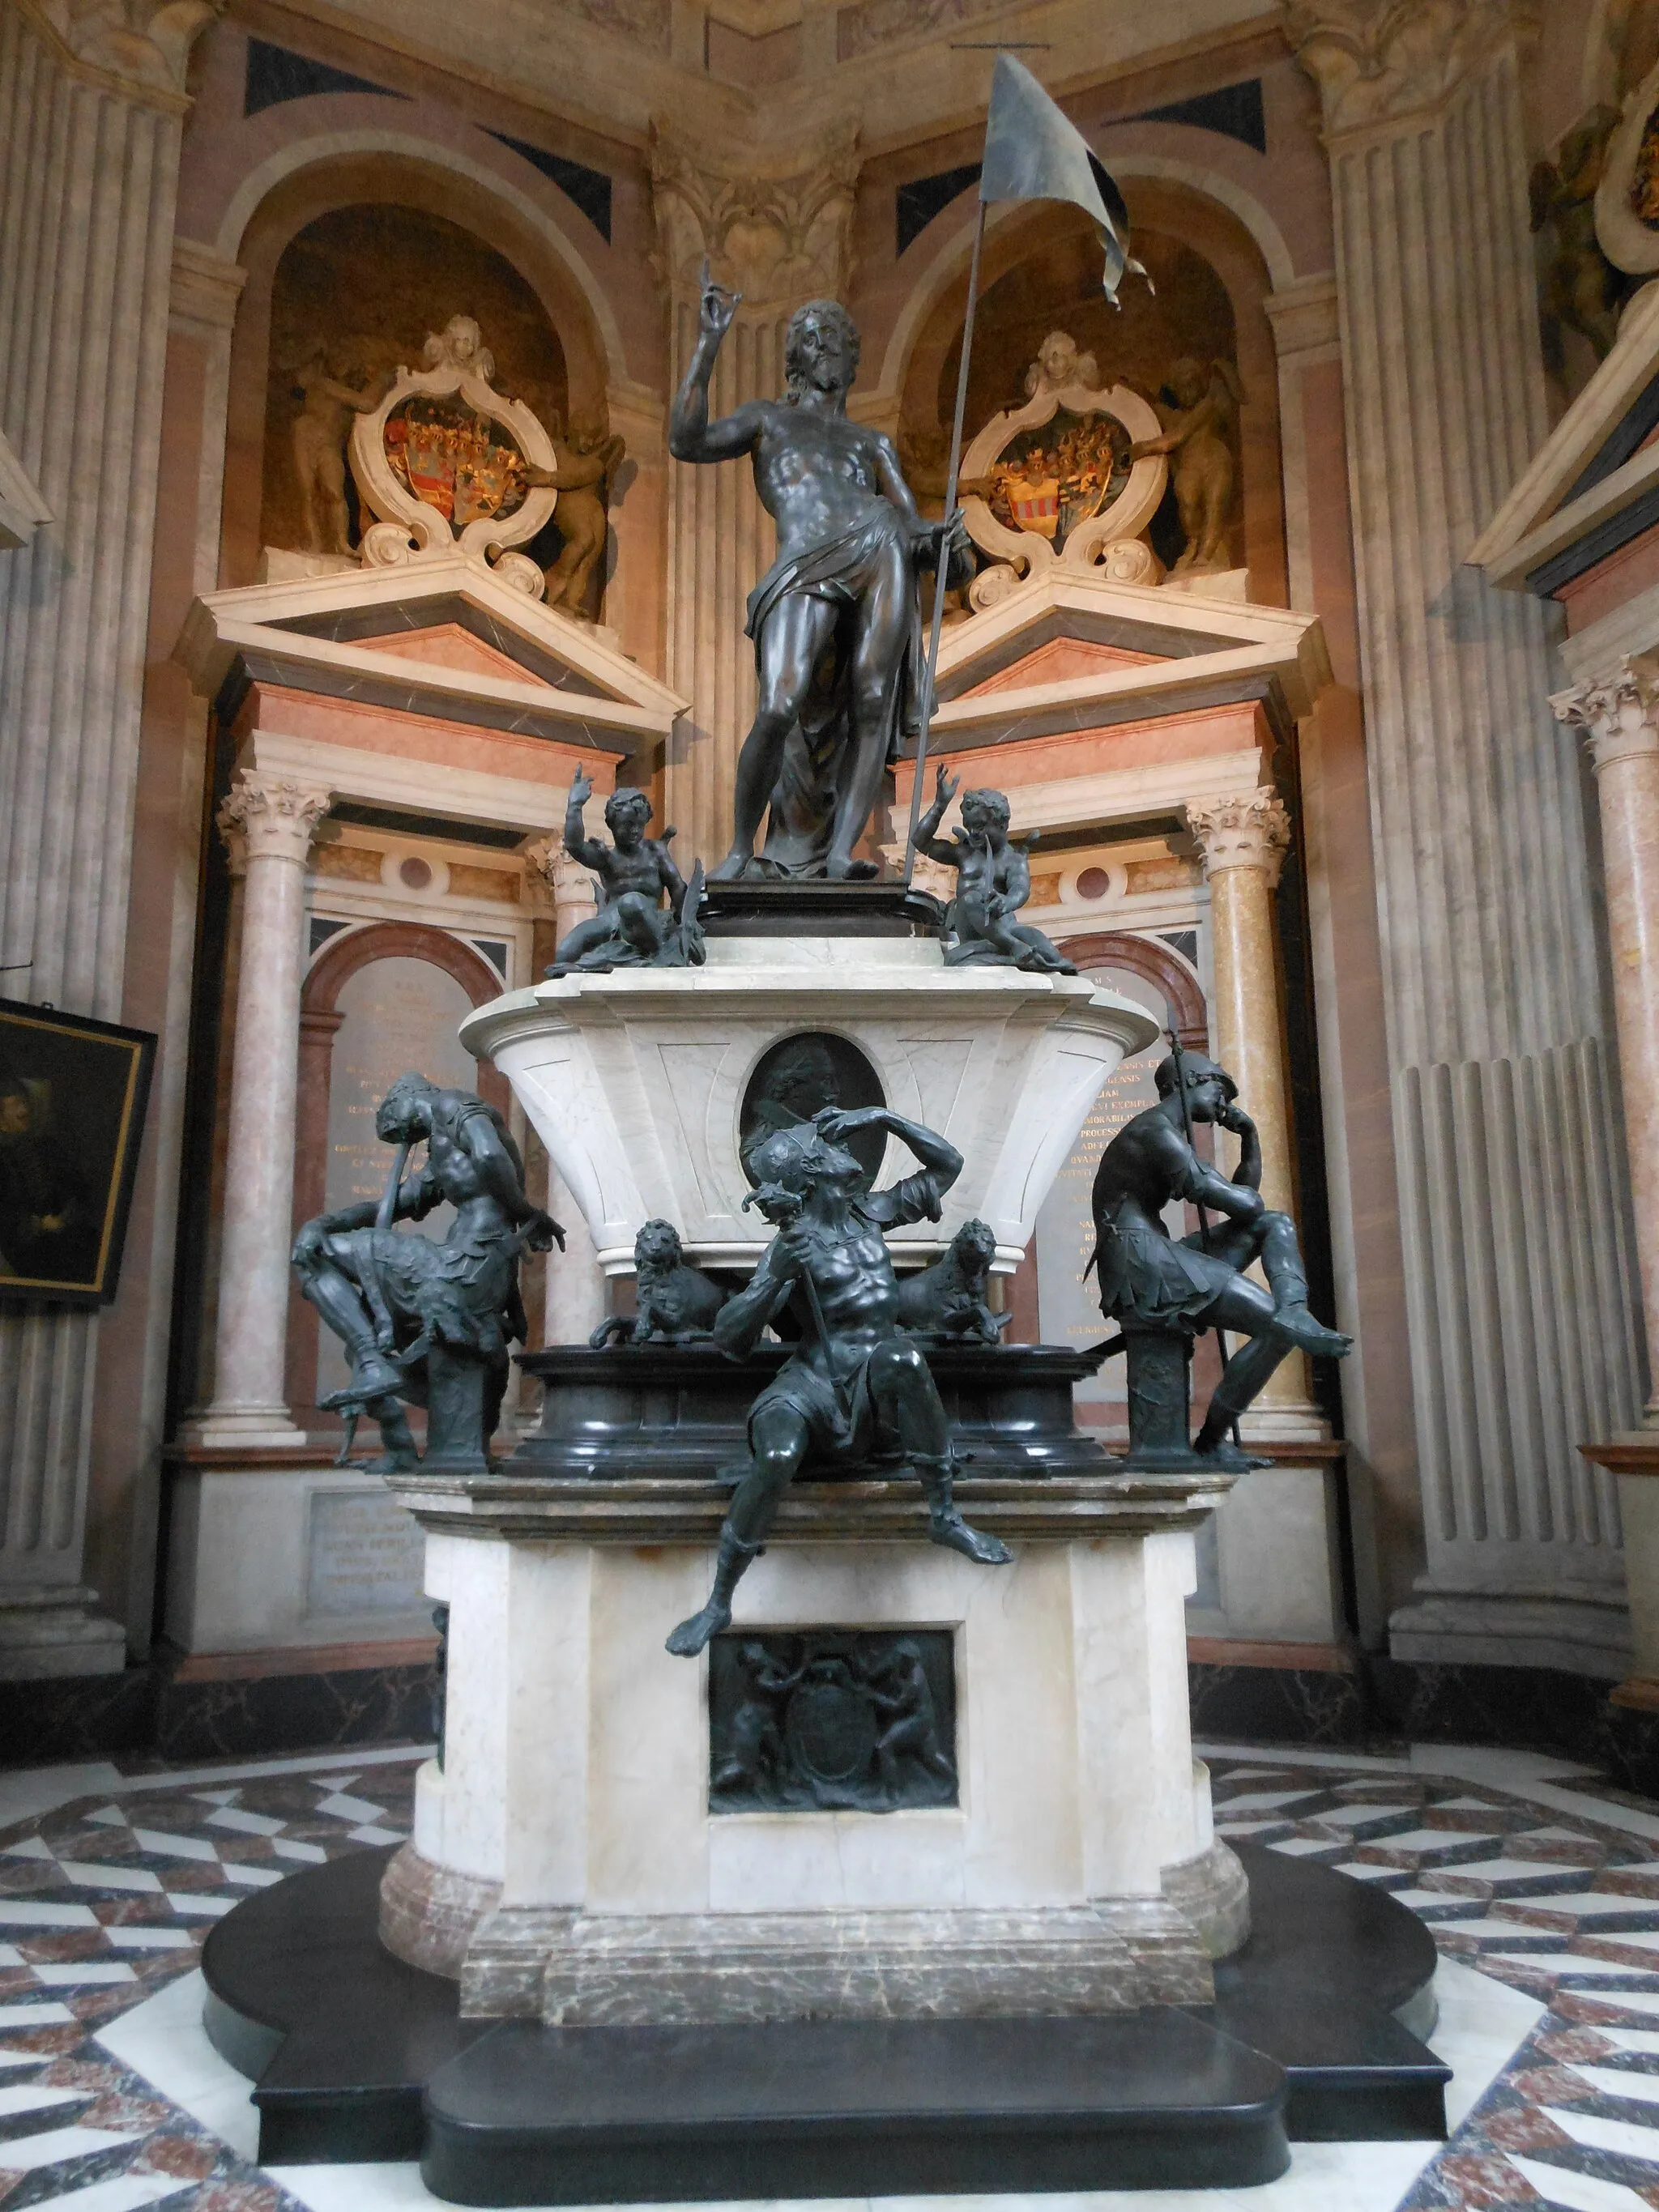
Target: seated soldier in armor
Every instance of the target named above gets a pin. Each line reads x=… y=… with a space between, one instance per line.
x=390 y=1298
x=1151 y=1281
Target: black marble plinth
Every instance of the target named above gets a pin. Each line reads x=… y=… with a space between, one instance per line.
x=817 y=907
x=853 y=2108
x=1313 y=2036
x=683 y=1409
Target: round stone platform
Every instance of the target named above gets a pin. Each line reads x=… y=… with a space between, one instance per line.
x=1312 y=2035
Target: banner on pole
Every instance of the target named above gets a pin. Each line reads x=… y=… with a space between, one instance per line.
x=1032 y=152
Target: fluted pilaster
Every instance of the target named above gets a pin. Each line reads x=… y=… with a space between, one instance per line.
x=1503 y=1119
x=780 y=238
x=91 y=100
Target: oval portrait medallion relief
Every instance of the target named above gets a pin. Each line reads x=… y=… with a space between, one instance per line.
x=800 y=1074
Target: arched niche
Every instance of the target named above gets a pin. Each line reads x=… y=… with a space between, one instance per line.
x=1041 y=266
x=1052 y=1303
x=344 y=962
x=1157 y=964
x=466 y=209
x=355 y=294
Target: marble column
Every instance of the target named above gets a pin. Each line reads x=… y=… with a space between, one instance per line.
x=92 y=101
x=780 y=236
x=1619 y=717
x=277 y=820
x=1519 y=1308
x=1244 y=839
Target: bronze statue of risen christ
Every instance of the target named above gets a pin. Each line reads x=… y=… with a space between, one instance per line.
x=836 y=619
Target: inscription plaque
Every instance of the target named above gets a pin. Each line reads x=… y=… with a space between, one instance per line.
x=364 y=1554
x=828 y=1720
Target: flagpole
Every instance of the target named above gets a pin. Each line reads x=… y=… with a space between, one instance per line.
x=942 y=570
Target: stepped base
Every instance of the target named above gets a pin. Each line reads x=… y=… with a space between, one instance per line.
x=1313 y=2036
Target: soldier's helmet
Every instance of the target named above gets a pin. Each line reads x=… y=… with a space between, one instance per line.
x=1197 y=1069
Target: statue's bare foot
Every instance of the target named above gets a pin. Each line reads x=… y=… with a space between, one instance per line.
x=689 y=1638
x=731 y=867
x=953 y=1531
x=1309 y=1335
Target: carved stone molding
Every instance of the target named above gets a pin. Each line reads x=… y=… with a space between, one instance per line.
x=140 y=48
x=1247 y=830
x=1617 y=714
x=206 y=288
x=276 y=819
x=779 y=235
x=1384 y=61
x=424 y=516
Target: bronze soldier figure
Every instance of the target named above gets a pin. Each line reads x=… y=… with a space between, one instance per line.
x=841 y=594
x=854 y=1386
x=396 y=1301
x=1149 y=1280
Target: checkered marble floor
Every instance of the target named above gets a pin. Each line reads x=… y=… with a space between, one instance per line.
x=1542 y=1888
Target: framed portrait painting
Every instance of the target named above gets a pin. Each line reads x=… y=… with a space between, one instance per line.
x=72 y=1097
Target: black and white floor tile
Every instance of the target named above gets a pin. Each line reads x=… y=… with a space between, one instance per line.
x=1543 y=1895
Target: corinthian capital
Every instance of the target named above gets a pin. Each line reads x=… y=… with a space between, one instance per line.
x=275 y=817
x=139 y=47
x=778 y=230
x=1377 y=60
x=571 y=884
x=1246 y=829
x=1617 y=714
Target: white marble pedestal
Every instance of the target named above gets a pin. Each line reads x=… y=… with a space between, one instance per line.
x=285 y=1551
x=567 y=1863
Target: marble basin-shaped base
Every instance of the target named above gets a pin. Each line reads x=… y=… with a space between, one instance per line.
x=635 y=1081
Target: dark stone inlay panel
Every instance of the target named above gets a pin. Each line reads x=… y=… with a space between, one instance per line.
x=832 y=1720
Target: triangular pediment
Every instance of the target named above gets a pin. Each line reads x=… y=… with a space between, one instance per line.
x=1069 y=650
x=444 y=638
x=1595 y=481
x=451 y=645
x=1061 y=660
